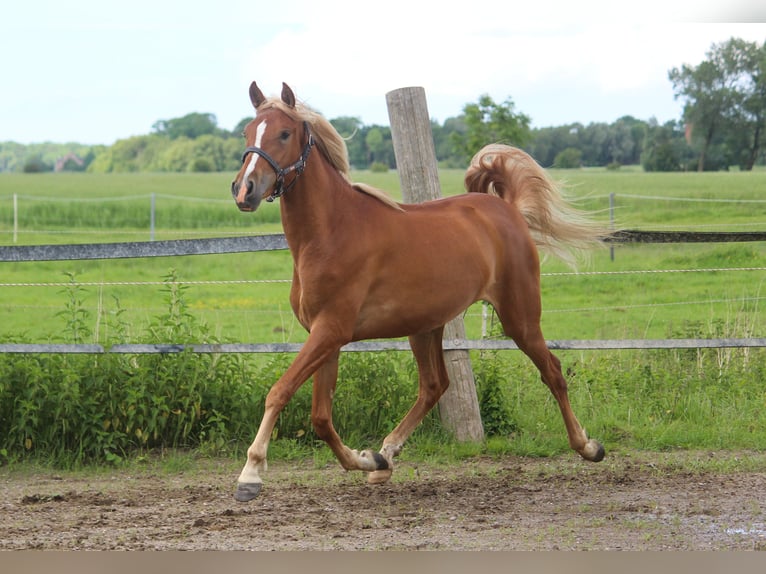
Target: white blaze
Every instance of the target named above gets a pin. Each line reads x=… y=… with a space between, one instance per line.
x=254 y=156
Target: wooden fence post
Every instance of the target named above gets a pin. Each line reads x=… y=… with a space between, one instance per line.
x=419 y=178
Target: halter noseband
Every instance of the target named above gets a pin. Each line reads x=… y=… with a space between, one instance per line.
x=297 y=167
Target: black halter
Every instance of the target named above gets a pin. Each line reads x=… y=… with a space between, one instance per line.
x=297 y=167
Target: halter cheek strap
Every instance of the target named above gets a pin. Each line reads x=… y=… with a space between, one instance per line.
x=297 y=167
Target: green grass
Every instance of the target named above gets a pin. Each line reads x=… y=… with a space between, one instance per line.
x=646 y=400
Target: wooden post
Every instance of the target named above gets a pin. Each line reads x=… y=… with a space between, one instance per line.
x=419 y=178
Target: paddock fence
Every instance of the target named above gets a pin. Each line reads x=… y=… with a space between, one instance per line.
x=256 y=243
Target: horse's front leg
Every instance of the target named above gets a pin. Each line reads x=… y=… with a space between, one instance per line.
x=315 y=351
x=433 y=381
x=325 y=380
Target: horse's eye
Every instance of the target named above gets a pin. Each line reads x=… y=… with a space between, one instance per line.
x=285 y=135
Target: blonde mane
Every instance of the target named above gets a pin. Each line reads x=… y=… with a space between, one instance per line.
x=330 y=144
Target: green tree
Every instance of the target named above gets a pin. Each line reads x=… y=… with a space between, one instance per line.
x=11 y=156
x=632 y=140
x=239 y=129
x=489 y=122
x=177 y=156
x=351 y=129
x=750 y=114
x=208 y=154
x=594 y=144
x=620 y=143
x=380 y=147
x=138 y=153
x=444 y=144
x=374 y=142
x=665 y=148
x=232 y=151
x=191 y=126
x=570 y=158
x=548 y=142
x=35 y=165
x=713 y=93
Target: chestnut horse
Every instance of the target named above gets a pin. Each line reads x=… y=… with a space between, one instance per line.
x=367 y=267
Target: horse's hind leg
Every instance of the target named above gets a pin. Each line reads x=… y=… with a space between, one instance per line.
x=433 y=381
x=523 y=326
x=325 y=380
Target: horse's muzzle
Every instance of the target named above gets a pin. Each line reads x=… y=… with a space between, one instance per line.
x=245 y=195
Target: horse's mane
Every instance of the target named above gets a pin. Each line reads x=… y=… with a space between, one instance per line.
x=330 y=143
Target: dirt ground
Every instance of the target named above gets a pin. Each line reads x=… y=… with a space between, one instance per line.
x=636 y=501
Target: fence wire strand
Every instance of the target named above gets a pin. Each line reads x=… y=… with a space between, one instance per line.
x=267 y=281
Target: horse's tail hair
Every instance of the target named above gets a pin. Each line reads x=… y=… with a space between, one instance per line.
x=556 y=226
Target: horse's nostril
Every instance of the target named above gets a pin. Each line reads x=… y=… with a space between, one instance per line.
x=236 y=187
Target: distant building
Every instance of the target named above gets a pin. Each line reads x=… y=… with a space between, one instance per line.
x=61 y=162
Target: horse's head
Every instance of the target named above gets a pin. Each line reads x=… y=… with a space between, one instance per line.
x=275 y=138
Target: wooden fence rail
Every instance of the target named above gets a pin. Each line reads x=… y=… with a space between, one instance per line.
x=276 y=241
x=134 y=249
x=637 y=236
x=396 y=345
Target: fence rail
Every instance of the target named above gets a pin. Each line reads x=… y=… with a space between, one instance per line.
x=637 y=236
x=368 y=346
x=276 y=241
x=133 y=249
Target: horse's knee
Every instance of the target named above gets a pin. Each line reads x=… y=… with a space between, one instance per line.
x=277 y=398
x=551 y=375
x=433 y=389
x=322 y=427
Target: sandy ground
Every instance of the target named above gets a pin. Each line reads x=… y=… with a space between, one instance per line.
x=637 y=501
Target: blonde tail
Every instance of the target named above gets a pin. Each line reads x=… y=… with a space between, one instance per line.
x=556 y=227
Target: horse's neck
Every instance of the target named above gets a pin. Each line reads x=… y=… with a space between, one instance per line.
x=311 y=211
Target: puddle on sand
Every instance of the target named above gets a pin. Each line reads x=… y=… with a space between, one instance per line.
x=758 y=531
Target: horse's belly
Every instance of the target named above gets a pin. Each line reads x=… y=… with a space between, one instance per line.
x=400 y=317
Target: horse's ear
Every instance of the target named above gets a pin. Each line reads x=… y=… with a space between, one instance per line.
x=256 y=95
x=287 y=95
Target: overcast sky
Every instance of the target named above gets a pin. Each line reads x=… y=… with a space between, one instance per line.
x=94 y=71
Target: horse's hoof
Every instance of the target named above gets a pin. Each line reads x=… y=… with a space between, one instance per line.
x=247 y=491
x=379 y=476
x=380 y=461
x=593 y=451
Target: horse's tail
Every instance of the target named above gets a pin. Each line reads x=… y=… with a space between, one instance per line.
x=556 y=226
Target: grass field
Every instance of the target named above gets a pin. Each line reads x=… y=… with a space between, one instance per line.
x=658 y=399
x=85 y=208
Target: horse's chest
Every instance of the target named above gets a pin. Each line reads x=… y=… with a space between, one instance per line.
x=305 y=302
x=313 y=295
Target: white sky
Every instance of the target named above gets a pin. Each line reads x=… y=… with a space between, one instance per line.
x=94 y=71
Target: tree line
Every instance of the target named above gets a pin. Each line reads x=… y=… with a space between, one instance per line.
x=723 y=123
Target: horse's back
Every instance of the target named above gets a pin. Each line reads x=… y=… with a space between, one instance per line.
x=479 y=221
